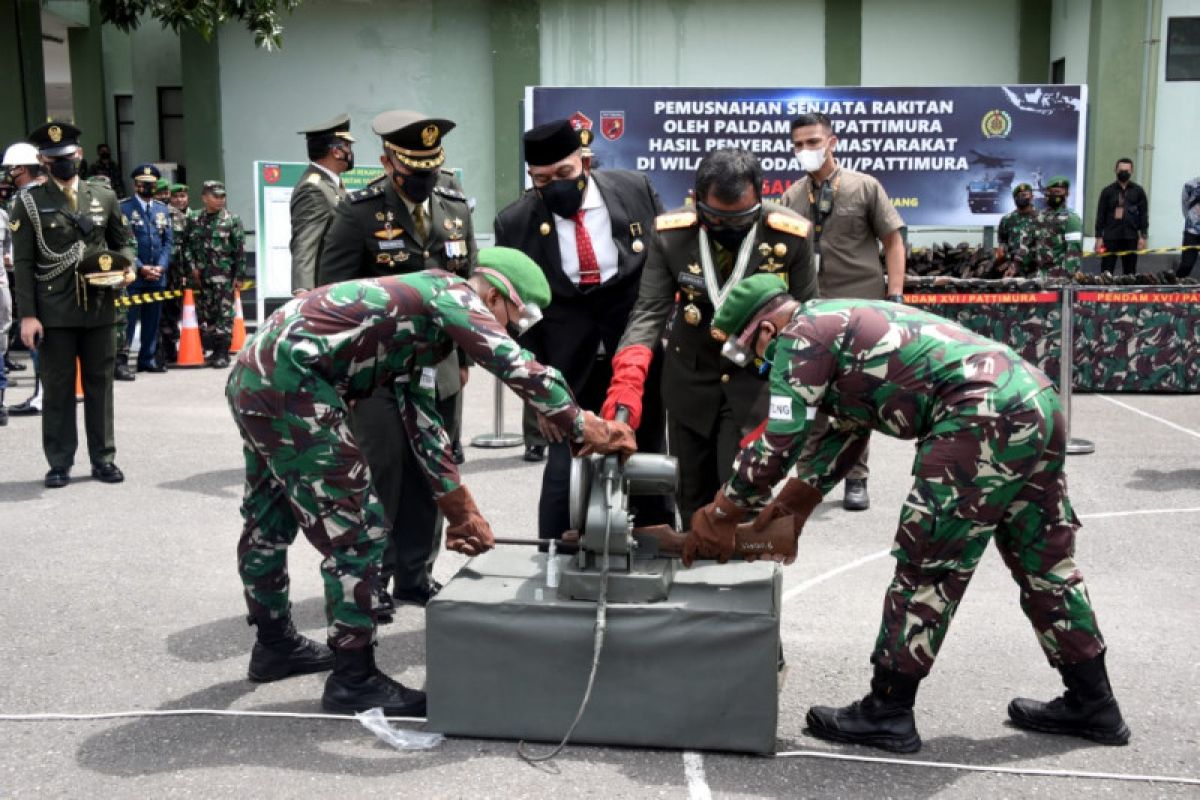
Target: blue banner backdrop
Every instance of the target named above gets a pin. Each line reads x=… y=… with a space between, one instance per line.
x=945 y=155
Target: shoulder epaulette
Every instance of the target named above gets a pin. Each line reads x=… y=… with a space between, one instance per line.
x=313 y=178
x=778 y=221
x=450 y=192
x=372 y=189
x=675 y=221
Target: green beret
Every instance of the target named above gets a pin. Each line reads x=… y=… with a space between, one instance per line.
x=744 y=299
x=523 y=274
x=1059 y=180
x=178 y=187
x=161 y=185
x=1021 y=187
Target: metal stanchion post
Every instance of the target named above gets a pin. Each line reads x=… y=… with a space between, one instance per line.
x=1066 y=371
x=498 y=438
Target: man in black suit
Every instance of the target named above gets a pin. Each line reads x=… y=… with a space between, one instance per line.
x=589 y=231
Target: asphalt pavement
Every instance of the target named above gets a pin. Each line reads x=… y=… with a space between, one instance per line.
x=126 y=598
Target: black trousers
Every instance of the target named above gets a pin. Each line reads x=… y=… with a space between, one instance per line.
x=705 y=461
x=96 y=350
x=1128 y=262
x=415 y=524
x=1188 y=260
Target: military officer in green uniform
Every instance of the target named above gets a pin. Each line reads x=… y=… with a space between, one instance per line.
x=694 y=261
x=330 y=153
x=1015 y=234
x=56 y=226
x=413 y=218
x=1058 y=237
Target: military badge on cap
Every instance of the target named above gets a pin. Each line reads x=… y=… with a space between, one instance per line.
x=429 y=135
x=55 y=133
x=104 y=269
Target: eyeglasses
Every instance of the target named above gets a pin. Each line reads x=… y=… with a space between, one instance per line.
x=720 y=218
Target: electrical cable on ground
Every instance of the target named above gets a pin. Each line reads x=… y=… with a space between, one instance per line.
x=188 y=712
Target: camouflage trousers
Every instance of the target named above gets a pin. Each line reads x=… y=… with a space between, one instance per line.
x=305 y=471
x=215 y=312
x=977 y=479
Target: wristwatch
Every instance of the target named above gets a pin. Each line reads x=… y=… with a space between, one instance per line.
x=895 y=298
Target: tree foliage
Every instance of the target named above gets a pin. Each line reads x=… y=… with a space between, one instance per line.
x=261 y=17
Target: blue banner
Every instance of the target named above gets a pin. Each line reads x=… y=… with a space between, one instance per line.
x=945 y=155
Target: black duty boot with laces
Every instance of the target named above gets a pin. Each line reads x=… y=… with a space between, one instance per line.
x=883 y=719
x=356 y=685
x=281 y=652
x=1087 y=709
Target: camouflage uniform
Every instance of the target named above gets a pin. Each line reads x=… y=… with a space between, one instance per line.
x=990 y=452
x=1058 y=244
x=177 y=278
x=216 y=248
x=288 y=392
x=1016 y=234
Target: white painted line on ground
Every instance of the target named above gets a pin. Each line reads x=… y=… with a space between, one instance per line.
x=833 y=573
x=1108 y=514
x=1148 y=415
x=693 y=770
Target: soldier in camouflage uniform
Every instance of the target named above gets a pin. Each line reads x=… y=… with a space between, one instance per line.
x=216 y=259
x=1058 y=236
x=991 y=442
x=1015 y=233
x=172 y=308
x=290 y=391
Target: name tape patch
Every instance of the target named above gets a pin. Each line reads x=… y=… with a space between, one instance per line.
x=781 y=408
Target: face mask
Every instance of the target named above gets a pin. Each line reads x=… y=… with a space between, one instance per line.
x=1055 y=202
x=348 y=156
x=1022 y=202
x=64 y=168
x=145 y=190
x=811 y=160
x=1124 y=175
x=564 y=197
x=729 y=238
x=419 y=185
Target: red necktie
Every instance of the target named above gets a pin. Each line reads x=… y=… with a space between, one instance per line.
x=589 y=268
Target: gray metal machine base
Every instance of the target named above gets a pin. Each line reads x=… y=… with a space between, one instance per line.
x=648 y=580
x=508 y=659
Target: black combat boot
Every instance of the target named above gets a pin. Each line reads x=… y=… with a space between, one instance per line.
x=883 y=719
x=1087 y=709
x=3 y=410
x=280 y=652
x=356 y=684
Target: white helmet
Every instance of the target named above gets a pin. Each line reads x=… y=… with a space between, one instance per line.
x=21 y=154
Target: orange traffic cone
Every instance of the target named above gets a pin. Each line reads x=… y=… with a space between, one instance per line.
x=191 y=352
x=78 y=381
x=239 y=324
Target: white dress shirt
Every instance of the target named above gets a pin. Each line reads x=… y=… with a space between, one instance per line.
x=599 y=226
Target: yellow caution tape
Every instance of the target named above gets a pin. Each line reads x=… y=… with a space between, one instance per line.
x=1157 y=250
x=156 y=297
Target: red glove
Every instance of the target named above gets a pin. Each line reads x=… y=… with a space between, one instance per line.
x=796 y=499
x=629 y=366
x=467 y=532
x=714 y=531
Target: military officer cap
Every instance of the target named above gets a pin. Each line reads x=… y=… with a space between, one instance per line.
x=56 y=138
x=104 y=268
x=744 y=300
x=146 y=172
x=1059 y=181
x=552 y=142
x=21 y=154
x=215 y=188
x=512 y=271
x=1021 y=187
x=336 y=128
x=413 y=138
x=178 y=187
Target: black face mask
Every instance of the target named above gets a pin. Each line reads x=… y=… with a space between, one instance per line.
x=349 y=158
x=1053 y=201
x=729 y=238
x=565 y=196
x=64 y=168
x=1124 y=175
x=1022 y=202
x=418 y=185
x=144 y=189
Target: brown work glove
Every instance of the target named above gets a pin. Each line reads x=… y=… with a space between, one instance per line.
x=604 y=437
x=467 y=532
x=714 y=531
x=796 y=499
